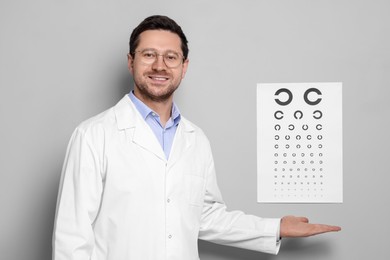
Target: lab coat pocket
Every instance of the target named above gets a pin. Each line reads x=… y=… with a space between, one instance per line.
x=196 y=187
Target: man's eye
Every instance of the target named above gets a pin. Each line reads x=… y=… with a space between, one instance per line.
x=149 y=55
x=171 y=56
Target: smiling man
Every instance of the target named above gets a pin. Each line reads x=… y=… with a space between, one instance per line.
x=158 y=66
x=138 y=180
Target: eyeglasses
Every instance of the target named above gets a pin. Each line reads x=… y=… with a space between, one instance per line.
x=171 y=59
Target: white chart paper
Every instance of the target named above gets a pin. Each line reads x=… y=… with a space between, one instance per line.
x=299 y=143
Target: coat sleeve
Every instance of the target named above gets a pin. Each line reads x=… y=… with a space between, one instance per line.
x=235 y=228
x=78 y=200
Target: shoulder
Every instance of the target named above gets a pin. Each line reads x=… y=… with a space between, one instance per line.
x=100 y=122
x=191 y=127
x=200 y=135
x=112 y=119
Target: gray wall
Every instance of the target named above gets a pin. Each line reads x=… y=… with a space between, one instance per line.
x=64 y=61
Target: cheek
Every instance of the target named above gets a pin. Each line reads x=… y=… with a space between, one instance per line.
x=137 y=71
x=180 y=73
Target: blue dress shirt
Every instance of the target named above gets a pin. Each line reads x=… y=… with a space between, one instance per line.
x=165 y=134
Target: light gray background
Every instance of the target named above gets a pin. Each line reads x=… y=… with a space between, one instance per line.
x=64 y=61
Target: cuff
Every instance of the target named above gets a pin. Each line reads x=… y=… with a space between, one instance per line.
x=273 y=241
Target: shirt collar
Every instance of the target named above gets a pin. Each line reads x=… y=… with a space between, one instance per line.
x=145 y=111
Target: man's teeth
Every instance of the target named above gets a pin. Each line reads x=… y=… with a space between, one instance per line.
x=159 y=78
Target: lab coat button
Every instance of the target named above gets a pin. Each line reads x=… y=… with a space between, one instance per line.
x=168 y=200
x=170 y=236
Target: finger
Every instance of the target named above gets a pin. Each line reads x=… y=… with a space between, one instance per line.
x=333 y=228
x=320 y=228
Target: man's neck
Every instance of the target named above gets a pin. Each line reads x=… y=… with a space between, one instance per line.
x=162 y=108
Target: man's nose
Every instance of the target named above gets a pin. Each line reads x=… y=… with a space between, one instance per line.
x=159 y=63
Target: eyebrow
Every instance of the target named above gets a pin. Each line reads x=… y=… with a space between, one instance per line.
x=169 y=50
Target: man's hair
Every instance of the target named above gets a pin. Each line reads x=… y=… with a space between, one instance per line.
x=158 y=22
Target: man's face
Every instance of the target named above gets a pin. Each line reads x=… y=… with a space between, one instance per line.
x=156 y=82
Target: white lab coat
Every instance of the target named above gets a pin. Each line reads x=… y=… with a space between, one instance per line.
x=120 y=199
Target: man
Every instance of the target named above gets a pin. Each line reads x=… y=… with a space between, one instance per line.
x=138 y=180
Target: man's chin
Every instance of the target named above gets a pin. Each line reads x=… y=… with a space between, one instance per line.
x=158 y=96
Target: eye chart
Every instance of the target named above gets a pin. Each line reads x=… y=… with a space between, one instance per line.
x=299 y=143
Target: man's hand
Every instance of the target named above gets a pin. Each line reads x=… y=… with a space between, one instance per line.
x=291 y=226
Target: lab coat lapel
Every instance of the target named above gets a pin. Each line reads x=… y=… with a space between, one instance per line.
x=183 y=140
x=138 y=131
x=144 y=137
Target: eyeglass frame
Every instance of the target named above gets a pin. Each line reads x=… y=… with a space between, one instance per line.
x=183 y=59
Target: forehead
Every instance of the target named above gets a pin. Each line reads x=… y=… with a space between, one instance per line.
x=159 y=40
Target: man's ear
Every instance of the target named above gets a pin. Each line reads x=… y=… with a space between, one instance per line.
x=185 y=67
x=130 y=63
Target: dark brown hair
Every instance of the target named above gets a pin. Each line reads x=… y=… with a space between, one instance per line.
x=158 y=22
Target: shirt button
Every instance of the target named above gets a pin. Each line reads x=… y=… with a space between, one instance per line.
x=168 y=200
x=170 y=236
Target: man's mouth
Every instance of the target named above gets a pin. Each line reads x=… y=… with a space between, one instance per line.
x=158 y=78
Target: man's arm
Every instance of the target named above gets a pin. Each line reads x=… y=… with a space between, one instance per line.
x=234 y=228
x=292 y=226
x=78 y=201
